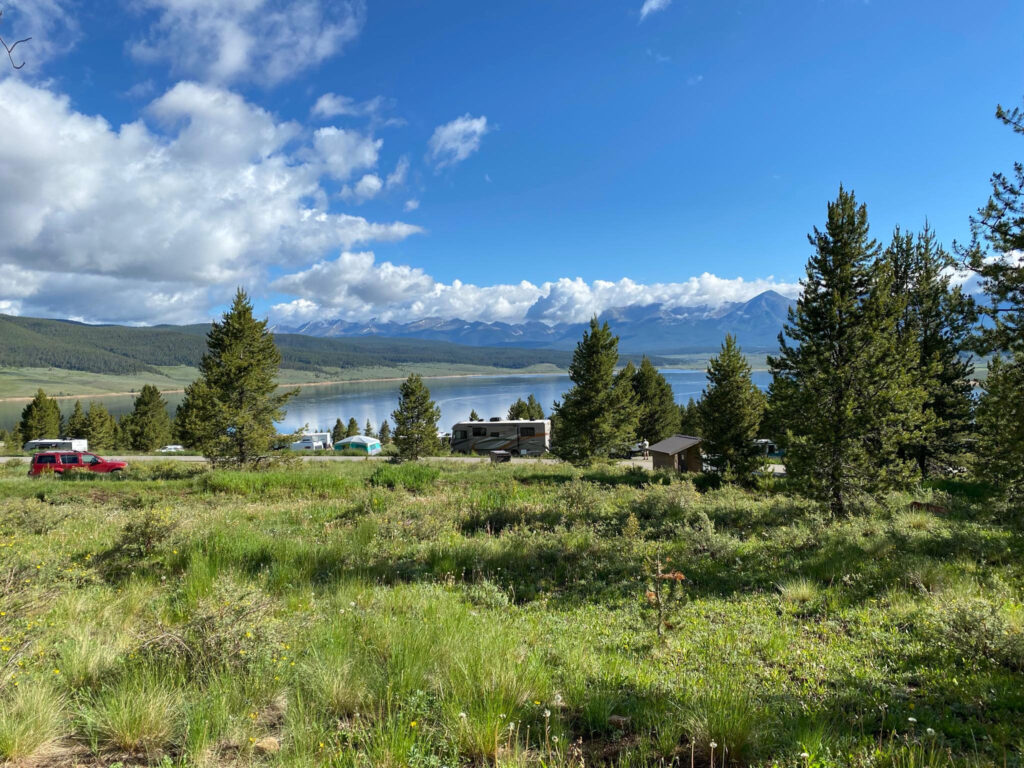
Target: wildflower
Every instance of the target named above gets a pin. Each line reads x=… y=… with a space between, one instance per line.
x=56 y=671
x=536 y=703
x=547 y=713
x=462 y=715
x=930 y=731
x=554 y=739
x=804 y=755
x=911 y=719
x=412 y=724
x=713 y=744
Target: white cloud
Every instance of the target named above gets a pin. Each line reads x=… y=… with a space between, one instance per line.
x=50 y=24
x=653 y=6
x=332 y=105
x=412 y=204
x=345 y=152
x=355 y=287
x=397 y=177
x=267 y=41
x=365 y=189
x=455 y=141
x=163 y=219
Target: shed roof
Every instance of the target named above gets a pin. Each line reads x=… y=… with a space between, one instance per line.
x=675 y=444
x=360 y=439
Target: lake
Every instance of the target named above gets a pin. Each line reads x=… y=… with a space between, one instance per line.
x=319 y=406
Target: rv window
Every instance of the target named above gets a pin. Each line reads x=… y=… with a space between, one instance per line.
x=495 y=434
x=461 y=434
x=68 y=459
x=479 y=432
x=527 y=431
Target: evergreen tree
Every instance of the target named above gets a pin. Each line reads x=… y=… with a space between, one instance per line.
x=598 y=415
x=78 y=423
x=148 y=427
x=235 y=402
x=368 y=430
x=40 y=418
x=416 y=420
x=526 y=409
x=101 y=428
x=188 y=428
x=338 y=432
x=997 y=240
x=842 y=390
x=352 y=428
x=1000 y=421
x=689 y=419
x=474 y=416
x=385 y=432
x=937 y=320
x=730 y=412
x=659 y=415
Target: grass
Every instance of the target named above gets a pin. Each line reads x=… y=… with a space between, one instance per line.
x=453 y=615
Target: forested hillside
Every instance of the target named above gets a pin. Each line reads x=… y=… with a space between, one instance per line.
x=113 y=349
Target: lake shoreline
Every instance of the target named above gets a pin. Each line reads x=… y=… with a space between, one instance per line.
x=27 y=399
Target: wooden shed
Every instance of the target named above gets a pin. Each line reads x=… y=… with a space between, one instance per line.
x=679 y=452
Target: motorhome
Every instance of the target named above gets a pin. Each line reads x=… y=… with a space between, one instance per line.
x=312 y=441
x=520 y=437
x=56 y=444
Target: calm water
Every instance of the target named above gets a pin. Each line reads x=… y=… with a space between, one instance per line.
x=489 y=395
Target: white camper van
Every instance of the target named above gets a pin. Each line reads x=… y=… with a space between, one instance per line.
x=312 y=441
x=520 y=437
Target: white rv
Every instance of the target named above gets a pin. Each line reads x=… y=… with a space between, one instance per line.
x=312 y=441
x=520 y=437
x=56 y=444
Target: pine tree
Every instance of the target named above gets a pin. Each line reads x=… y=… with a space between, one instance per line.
x=416 y=420
x=659 y=415
x=938 y=320
x=101 y=428
x=188 y=428
x=148 y=427
x=78 y=423
x=40 y=418
x=385 y=432
x=338 y=431
x=236 y=403
x=1000 y=420
x=474 y=416
x=368 y=429
x=842 y=389
x=730 y=412
x=689 y=419
x=352 y=428
x=598 y=415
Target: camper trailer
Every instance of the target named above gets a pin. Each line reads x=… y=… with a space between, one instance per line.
x=520 y=437
x=312 y=441
x=56 y=444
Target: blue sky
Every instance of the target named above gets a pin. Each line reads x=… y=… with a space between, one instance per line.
x=570 y=145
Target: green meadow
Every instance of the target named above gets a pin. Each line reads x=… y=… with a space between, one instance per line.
x=368 y=614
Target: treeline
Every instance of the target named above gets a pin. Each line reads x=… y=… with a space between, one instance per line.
x=113 y=349
x=872 y=385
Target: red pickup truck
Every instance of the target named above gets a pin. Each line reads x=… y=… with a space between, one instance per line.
x=58 y=461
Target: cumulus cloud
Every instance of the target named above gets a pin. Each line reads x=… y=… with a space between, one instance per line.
x=51 y=25
x=219 y=195
x=355 y=287
x=653 y=6
x=455 y=141
x=411 y=205
x=397 y=177
x=267 y=41
x=365 y=189
x=345 y=152
x=332 y=105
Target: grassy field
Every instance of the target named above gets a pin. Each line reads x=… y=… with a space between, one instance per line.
x=430 y=615
x=24 y=382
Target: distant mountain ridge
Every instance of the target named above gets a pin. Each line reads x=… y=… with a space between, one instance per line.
x=650 y=328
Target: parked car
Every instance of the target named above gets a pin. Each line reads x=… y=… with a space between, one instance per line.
x=172 y=449
x=60 y=461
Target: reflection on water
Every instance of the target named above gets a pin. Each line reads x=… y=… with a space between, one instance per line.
x=489 y=396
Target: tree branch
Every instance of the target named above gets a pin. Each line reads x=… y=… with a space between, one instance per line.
x=10 y=48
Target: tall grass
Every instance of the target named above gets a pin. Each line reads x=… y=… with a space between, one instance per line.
x=31 y=721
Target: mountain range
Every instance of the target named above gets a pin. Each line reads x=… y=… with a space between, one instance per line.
x=651 y=328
